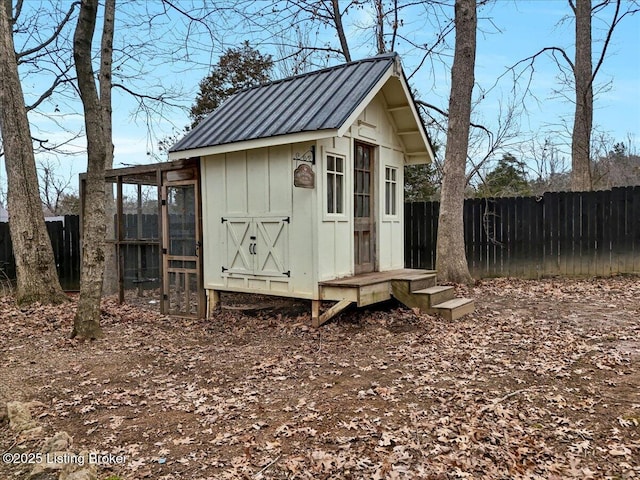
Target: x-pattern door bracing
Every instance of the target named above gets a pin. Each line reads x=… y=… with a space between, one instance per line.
x=256 y=245
x=239 y=245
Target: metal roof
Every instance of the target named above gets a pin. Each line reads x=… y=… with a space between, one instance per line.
x=320 y=100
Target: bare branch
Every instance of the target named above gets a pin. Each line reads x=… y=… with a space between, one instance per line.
x=18 y=10
x=446 y=115
x=337 y=18
x=617 y=18
x=60 y=79
x=395 y=26
x=442 y=35
x=53 y=36
x=163 y=97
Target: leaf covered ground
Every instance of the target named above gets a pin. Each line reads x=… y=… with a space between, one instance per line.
x=542 y=381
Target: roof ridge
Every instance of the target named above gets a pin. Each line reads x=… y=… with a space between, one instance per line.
x=309 y=102
x=381 y=56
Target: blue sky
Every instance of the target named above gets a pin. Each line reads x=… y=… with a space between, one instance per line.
x=509 y=30
x=529 y=26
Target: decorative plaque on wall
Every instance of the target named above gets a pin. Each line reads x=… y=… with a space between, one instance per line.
x=304 y=177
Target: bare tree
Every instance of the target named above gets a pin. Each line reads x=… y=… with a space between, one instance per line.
x=37 y=278
x=293 y=27
x=54 y=188
x=581 y=75
x=581 y=178
x=336 y=16
x=451 y=261
x=549 y=168
x=86 y=323
x=110 y=280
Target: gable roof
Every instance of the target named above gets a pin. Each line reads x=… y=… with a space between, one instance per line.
x=313 y=105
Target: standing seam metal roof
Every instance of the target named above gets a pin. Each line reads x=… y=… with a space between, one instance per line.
x=313 y=101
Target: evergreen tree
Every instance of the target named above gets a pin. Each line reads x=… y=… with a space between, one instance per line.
x=238 y=69
x=508 y=179
x=420 y=182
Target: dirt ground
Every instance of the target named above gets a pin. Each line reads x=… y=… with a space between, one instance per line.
x=542 y=381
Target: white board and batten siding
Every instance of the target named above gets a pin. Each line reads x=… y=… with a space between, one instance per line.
x=263 y=235
x=252 y=219
x=335 y=231
x=390 y=227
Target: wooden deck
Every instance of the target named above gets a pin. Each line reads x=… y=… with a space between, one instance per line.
x=414 y=288
x=364 y=279
x=369 y=288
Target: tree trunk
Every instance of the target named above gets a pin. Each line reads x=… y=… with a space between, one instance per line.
x=583 y=119
x=110 y=283
x=451 y=262
x=86 y=323
x=380 y=26
x=37 y=278
x=337 y=17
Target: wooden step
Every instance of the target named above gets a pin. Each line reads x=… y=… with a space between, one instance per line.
x=456 y=308
x=437 y=294
x=422 y=282
x=424 y=298
x=416 y=279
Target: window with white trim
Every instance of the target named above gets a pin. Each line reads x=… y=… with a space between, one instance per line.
x=390 y=191
x=335 y=184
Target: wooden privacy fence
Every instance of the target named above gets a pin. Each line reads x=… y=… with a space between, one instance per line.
x=140 y=249
x=561 y=233
x=65 y=240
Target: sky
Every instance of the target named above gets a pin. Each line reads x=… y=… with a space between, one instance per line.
x=509 y=30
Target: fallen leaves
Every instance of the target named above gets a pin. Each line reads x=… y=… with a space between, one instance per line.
x=541 y=382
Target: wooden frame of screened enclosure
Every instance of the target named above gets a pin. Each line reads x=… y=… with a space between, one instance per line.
x=157 y=249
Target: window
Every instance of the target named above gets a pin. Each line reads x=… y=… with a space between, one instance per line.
x=391 y=191
x=335 y=184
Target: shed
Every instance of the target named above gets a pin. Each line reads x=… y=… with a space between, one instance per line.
x=301 y=185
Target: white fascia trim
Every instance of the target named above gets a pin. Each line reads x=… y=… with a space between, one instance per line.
x=417 y=159
x=365 y=102
x=416 y=117
x=411 y=105
x=251 y=144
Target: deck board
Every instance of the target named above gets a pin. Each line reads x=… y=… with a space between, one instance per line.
x=372 y=278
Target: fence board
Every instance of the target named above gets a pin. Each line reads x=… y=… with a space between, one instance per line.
x=635 y=229
x=472 y=230
x=496 y=240
x=569 y=257
x=551 y=237
x=72 y=222
x=567 y=233
x=618 y=219
x=575 y=231
x=7 y=264
x=604 y=252
x=65 y=242
x=528 y=259
x=408 y=220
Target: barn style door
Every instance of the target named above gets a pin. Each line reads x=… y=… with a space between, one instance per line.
x=257 y=246
x=182 y=294
x=363 y=209
x=239 y=243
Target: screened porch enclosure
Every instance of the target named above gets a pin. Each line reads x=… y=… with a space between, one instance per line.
x=181 y=241
x=154 y=233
